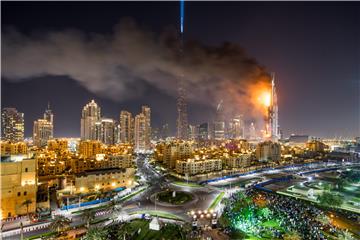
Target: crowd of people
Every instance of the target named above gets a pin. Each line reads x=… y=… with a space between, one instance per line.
x=304 y=218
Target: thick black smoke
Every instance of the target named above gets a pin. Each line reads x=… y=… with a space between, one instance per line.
x=117 y=65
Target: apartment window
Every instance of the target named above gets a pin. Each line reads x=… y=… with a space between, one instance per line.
x=19 y=193
x=26 y=169
x=25 y=193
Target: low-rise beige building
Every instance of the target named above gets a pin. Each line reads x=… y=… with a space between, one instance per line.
x=238 y=161
x=104 y=179
x=192 y=167
x=268 y=151
x=90 y=148
x=18 y=187
x=9 y=148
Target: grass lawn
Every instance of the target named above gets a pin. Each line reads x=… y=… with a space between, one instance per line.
x=180 y=197
x=168 y=232
x=272 y=224
x=185 y=184
x=159 y=214
x=48 y=234
x=217 y=200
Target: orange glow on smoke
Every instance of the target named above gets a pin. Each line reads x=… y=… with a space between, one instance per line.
x=265 y=98
x=260 y=94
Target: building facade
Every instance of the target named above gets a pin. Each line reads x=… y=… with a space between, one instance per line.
x=12 y=125
x=91 y=114
x=18 y=187
x=193 y=167
x=106 y=179
x=268 y=151
x=126 y=127
x=42 y=132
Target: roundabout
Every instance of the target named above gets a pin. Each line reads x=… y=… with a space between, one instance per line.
x=173 y=198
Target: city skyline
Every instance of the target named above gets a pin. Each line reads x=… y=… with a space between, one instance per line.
x=329 y=105
x=180 y=120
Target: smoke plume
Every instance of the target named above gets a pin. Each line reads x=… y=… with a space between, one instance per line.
x=117 y=65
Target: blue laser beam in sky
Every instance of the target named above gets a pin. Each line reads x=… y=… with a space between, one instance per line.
x=182 y=9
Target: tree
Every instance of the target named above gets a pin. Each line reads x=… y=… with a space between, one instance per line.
x=346 y=235
x=97 y=234
x=329 y=199
x=293 y=235
x=59 y=224
x=88 y=216
x=27 y=203
x=114 y=207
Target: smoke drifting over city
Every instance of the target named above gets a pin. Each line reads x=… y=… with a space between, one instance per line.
x=120 y=65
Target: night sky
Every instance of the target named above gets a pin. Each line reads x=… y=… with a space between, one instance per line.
x=313 y=47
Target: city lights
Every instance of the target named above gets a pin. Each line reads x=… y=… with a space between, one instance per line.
x=170 y=134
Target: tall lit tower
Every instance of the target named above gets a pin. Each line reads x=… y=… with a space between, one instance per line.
x=182 y=120
x=48 y=115
x=273 y=114
x=90 y=115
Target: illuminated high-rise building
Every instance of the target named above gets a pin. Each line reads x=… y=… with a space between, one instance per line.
x=237 y=127
x=42 y=132
x=193 y=132
x=48 y=115
x=147 y=113
x=12 y=125
x=126 y=127
x=91 y=114
x=182 y=119
x=165 y=131
x=139 y=132
x=204 y=131
x=107 y=134
x=219 y=123
x=272 y=129
x=142 y=129
x=252 y=132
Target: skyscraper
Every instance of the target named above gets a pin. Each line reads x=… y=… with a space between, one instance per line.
x=182 y=119
x=252 y=132
x=107 y=131
x=126 y=127
x=142 y=129
x=273 y=117
x=237 y=128
x=219 y=123
x=204 y=131
x=147 y=113
x=12 y=125
x=139 y=132
x=48 y=115
x=42 y=132
x=91 y=114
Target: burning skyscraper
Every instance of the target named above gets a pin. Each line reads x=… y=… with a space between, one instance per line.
x=272 y=123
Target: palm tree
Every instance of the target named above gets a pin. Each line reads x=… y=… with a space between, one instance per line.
x=88 y=215
x=60 y=224
x=97 y=234
x=293 y=235
x=114 y=207
x=27 y=203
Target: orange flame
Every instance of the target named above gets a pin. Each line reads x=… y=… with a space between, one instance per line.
x=260 y=94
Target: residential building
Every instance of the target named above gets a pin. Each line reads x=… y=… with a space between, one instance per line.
x=268 y=151
x=91 y=114
x=18 y=187
x=42 y=132
x=12 y=125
